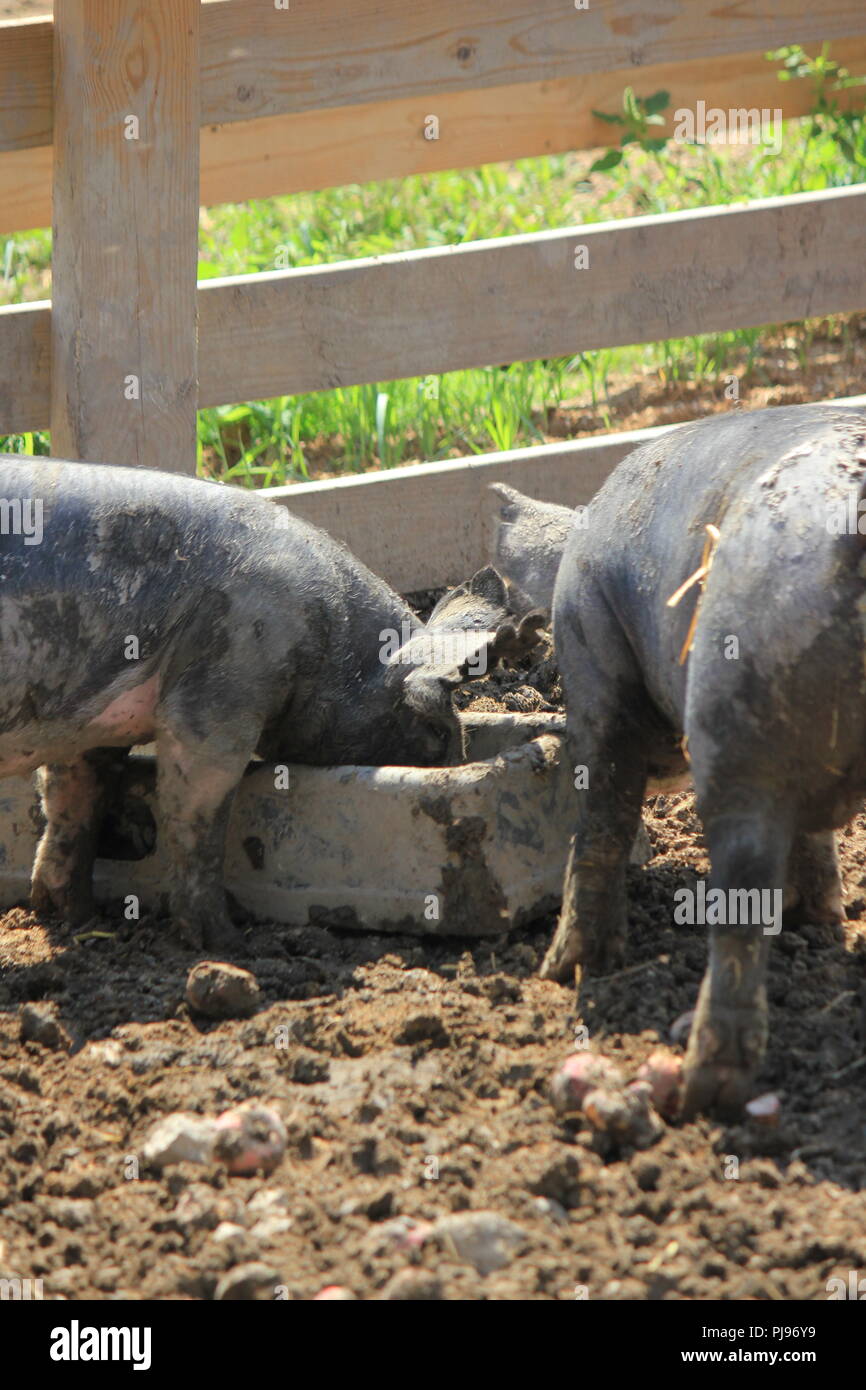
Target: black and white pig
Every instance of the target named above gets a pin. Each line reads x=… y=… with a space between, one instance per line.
x=136 y=605
x=765 y=702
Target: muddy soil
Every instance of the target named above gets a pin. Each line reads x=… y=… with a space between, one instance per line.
x=413 y=1081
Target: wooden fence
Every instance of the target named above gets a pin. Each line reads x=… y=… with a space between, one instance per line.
x=118 y=118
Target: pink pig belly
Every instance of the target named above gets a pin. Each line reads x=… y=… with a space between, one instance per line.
x=127 y=719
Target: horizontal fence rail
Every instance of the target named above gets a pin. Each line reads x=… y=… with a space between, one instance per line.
x=257 y=60
x=493 y=302
x=301 y=99
x=425 y=526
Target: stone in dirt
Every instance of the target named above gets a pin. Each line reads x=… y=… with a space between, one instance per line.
x=765 y=1109
x=664 y=1073
x=219 y=990
x=40 y=1023
x=625 y=1116
x=579 y=1074
x=251 y=1282
x=180 y=1138
x=480 y=1238
x=413 y=1285
x=250 y=1139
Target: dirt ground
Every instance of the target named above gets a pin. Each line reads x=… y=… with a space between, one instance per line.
x=413 y=1081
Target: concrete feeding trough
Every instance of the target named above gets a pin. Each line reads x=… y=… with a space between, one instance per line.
x=469 y=850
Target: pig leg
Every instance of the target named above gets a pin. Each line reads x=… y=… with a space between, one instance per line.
x=607 y=747
x=593 y=921
x=748 y=850
x=814 y=881
x=196 y=781
x=73 y=800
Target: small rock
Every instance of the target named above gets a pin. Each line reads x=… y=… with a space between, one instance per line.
x=270 y=1227
x=765 y=1109
x=663 y=1071
x=416 y=1285
x=269 y=1201
x=108 y=1053
x=180 y=1138
x=402 y=1233
x=228 y=1230
x=480 y=1238
x=40 y=1023
x=201 y=1208
x=548 y=1206
x=72 y=1213
x=218 y=990
x=626 y=1117
x=335 y=1293
x=250 y=1139
x=579 y=1074
x=255 y=1282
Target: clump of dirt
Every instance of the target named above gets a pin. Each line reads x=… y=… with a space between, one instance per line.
x=530 y=686
x=412 y=1077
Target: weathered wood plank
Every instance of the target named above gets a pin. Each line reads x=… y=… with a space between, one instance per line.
x=312 y=146
x=425 y=526
x=423 y=312
x=359 y=144
x=322 y=149
x=123 y=322
x=521 y=298
x=314 y=55
x=264 y=61
x=25 y=366
x=26 y=83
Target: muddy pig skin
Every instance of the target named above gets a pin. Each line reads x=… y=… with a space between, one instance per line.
x=146 y=606
x=771 y=699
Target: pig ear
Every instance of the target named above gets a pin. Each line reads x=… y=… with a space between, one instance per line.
x=510 y=499
x=480 y=603
x=512 y=641
x=427 y=688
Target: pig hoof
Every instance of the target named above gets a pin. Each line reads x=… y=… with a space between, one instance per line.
x=189 y=932
x=568 y=950
x=562 y=958
x=218 y=931
x=715 y=1090
x=67 y=903
x=722 y=1059
x=200 y=931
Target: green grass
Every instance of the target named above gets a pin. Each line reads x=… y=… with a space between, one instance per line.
x=382 y=425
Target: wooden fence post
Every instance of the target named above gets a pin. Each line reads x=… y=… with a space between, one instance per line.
x=126 y=195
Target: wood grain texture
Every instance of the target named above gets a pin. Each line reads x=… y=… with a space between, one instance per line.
x=360 y=144
x=258 y=61
x=25 y=366
x=521 y=298
x=125 y=233
x=318 y=54
x=322 y=149
x=421 y=312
